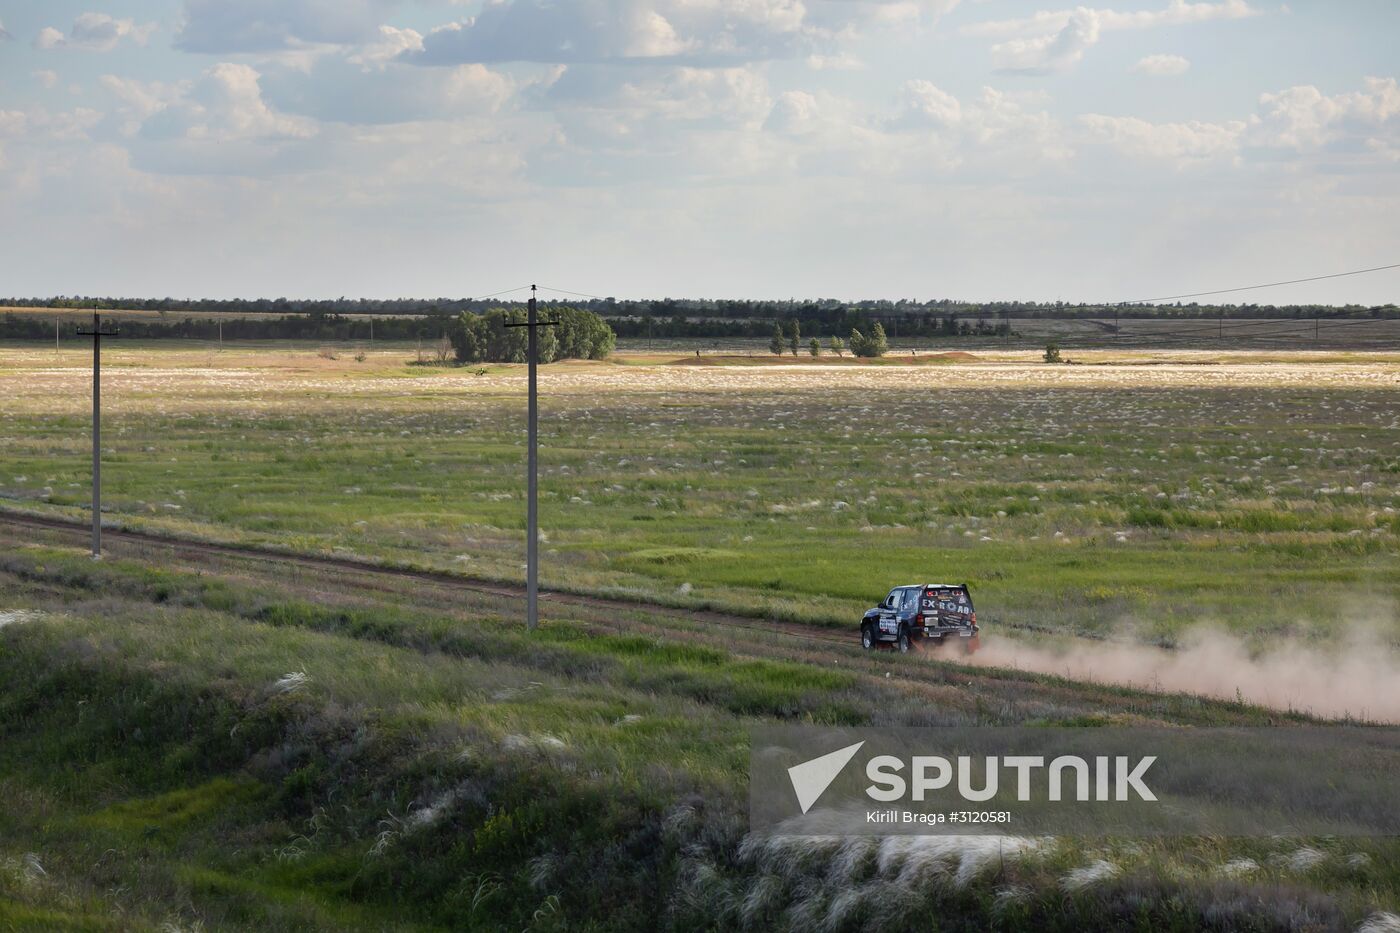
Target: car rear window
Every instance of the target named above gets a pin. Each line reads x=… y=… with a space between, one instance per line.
x=947 y=599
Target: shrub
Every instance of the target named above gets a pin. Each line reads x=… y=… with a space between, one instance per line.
x=816 y=347
x=775 y=345
x=1052 y=352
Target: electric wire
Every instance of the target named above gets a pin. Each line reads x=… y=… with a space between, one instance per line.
x=1247 y=288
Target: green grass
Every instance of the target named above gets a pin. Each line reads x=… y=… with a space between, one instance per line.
x=438 y=768
x=1239 y=506
x=160 y=767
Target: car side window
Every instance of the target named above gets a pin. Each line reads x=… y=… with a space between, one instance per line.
x=892 y=600
x=911 y=597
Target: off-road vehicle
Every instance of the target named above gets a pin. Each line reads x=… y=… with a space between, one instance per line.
x=922 y=615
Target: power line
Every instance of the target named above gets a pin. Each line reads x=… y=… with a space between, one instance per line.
x=507 y=291
x=1246 y=288
x=565 y=291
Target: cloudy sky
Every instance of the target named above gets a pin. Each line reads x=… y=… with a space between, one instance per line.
x=642 y=148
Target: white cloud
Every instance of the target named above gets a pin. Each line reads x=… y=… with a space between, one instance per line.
x=225 y=104
x=1055 y=40
x=925 y=104
x=692 y=31
x=5 y=34
x=365 y=90
x=1162 y=66
x=1304 y=118
x=794 y=113
x=841 y=61
x=224 y=26
x=1181 y=143
x=993 y=130
x=716 y=33
x=1052 y=52
x=47 y=79
x=40 y=124
x=1293 y=123
x=663 y=110
x=390 y=44
x=94 y=32
x=13 y=122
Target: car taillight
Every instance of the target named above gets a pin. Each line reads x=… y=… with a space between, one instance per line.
x=974 y=618
x=919 y=619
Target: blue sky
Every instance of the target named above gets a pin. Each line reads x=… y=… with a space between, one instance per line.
x=972 y=149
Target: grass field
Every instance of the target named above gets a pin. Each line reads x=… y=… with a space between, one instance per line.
x=220 y=744
x=1260 y=498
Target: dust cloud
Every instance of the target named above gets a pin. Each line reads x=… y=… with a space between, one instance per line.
x=1355 y=676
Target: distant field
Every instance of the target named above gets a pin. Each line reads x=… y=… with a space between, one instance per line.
x=1133 y=492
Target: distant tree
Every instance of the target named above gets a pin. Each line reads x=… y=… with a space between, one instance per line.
x=878 y=344
x=1052 y=352
x=776 y=344
x=858 y=343
x=794 y=336
x=836 y=345
x=815 y=348
x=874 y=345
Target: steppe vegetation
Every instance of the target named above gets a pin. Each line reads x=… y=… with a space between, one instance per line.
x=1261 y=499
x=189 y=743
x=216 y=744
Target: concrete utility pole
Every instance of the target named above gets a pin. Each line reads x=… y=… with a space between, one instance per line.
x=97 y=333
x=532 y=520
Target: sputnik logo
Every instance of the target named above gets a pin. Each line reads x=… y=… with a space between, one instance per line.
x=811 y=778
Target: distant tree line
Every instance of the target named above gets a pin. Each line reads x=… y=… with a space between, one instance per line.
x=343 y=318
x=810 y=311
x=291 y=327
x=485 y=338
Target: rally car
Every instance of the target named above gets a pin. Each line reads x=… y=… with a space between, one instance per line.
x=924 y=614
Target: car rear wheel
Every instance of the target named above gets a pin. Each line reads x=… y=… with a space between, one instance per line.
x=867 y=638
x=904 y=642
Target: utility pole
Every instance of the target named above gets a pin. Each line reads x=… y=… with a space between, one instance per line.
x=97 y=333
x=532 y=520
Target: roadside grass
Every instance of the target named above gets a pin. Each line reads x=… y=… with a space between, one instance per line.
x=230 y=746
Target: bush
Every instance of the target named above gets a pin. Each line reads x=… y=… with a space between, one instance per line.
x=815 y=348
x=1052 y=352
x=485 y=338
x=776 y=344
x=874 y=345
